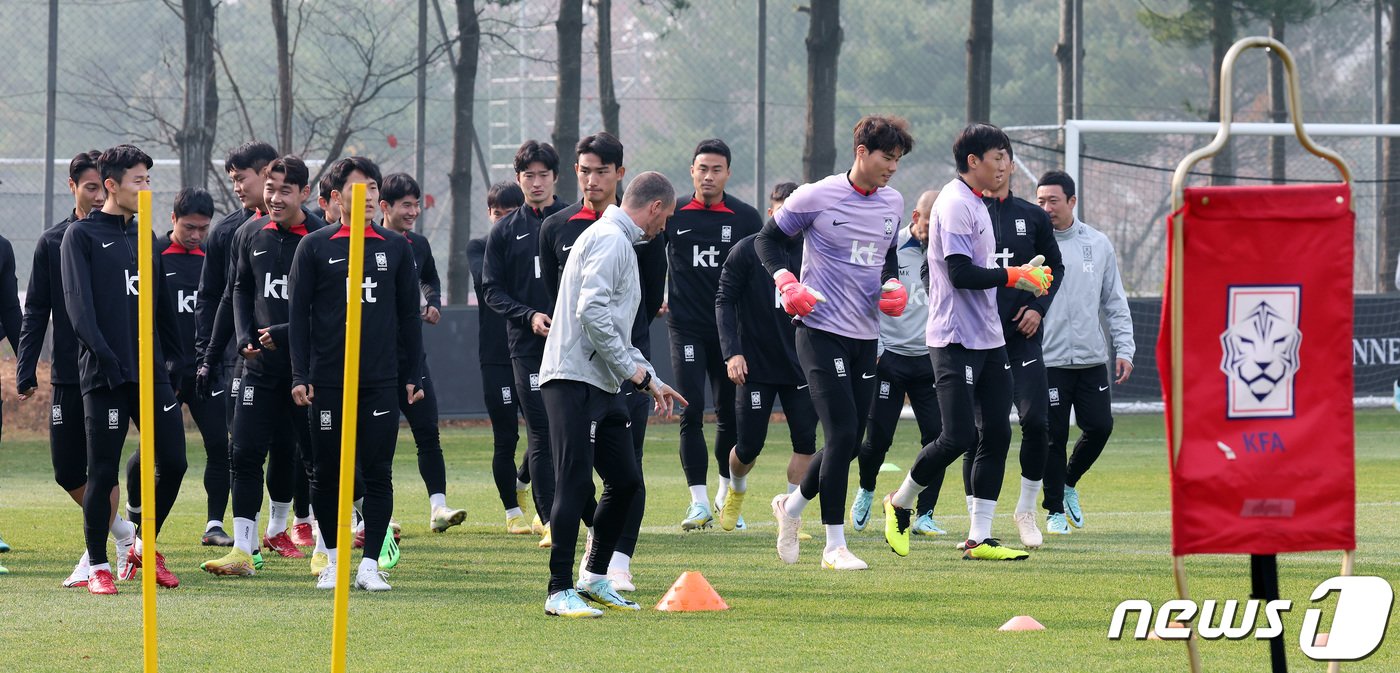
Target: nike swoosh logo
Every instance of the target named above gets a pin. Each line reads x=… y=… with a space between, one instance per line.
x=1007 y=366
x=1101 y=389
x=803 y=386
x=170 y=407
x=837 y=223
x=335 y=261
x=521 y=236
x=379 y=413
x=216 y=393
x=108 y=245
x=867 y=376
x=258 y=252
x=171 y=273
x=1027 y=363
x=567 y=248
x=683 y=231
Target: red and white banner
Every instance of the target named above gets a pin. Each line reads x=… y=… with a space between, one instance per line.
x=1267 y=460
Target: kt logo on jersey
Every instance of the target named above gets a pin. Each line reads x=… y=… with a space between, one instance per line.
x=1260 y=348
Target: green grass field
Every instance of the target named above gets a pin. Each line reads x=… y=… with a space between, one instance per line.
x=472 y=599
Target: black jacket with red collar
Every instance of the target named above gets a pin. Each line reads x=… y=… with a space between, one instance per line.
x=1023 y=230
x=181 y=272
x=262 y=260
x=429 y=282
x=698 y=240
x=45 y=298
x=213 y=283
x=512 y=277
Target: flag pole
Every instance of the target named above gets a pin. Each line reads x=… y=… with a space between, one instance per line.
x=145 y=310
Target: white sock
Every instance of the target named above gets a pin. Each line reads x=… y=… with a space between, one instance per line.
x=969 y=505
x=121 y=529
x=908 y=494
x=212 y=524
x=697 y=494
x=299 y=520
x=331 y=554
x=792 y=488
x=437 y=500
x=739 y=484
x=835 y=537
x=514 y=512
x=92 y=570
x=243 y=532
x=982 y=512
x=1029 y=491
x=136 y=544
x=357 y=521
x=590 y=577
x=723 y=493
x=277 y=520
x=369 y=565
x=132 y=510
x=620 y=562
x=320 y=542
x=520 y=485
x=795 y=504
x=85 y=562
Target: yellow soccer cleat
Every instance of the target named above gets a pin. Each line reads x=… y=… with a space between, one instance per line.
x=990 y=549
x=547 y=540
x=235 y=563
x=733 y=506
x=319 y=562
x=516 y=525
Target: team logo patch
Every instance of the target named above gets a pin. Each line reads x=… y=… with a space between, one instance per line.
x=56 y=415
x=505 y=395
x=840 y=364
x=725 y=233
x=884 y=390
x=326 y=419
x=1054 y=397
x=593 y=431
x=967 y=374
x=247 y=395
x=1020 y=227
x=1260 y=348
x=237 y=382
x=755 y=400
x=112 y=418
x=381 y=260
x=535 y=381
x=689 y=352
x=889 y=226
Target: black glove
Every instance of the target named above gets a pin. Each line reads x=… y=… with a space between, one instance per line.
x=206 y=381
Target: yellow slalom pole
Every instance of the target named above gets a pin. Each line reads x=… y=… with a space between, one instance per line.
x=146 y=343
x=349 y=424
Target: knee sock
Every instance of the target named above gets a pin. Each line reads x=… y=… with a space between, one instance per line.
x=739 y=484
x=1029 y=491
x=982 y=512
x=277 y=520
x=908 y=494
x=697 y=494
x=795 y=504
x=835 y=537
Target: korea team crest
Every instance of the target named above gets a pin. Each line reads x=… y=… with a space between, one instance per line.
x=726 y=232
x=381 y=260
x=889 y=226
x=1260 y=348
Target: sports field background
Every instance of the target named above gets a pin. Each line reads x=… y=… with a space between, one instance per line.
x=472 y=599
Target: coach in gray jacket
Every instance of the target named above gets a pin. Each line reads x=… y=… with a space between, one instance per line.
x=1076 y=353
x=587 y=359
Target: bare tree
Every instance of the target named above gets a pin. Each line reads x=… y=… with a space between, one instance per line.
x=823 y=52
x=195 y=138
x=607 y=95
x=569 y=31
x=979 y=62
x=1064 y=60
x=286 y=53
x=459 y=276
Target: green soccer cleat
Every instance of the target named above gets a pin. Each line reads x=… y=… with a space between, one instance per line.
x=860 y=508
x=990 y=549
x=236 y=563
x=389 y=553
x=567 y=603
x=257 y=560
x=1072 y=510
x=697 y=517
x=602 y=592
x=1056 y=524
x=729 y=515
x=927 y=525
x=897 y=525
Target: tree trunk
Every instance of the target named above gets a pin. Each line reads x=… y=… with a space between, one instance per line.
x=1222 y=36
x=459 y=276
x=284 y=76
x=1390 y=187
x=823 y=52
x=607 y=95
x=201 y=116
x=569 y=31
x=979 y=63
x=1278 y=106
x=1064 y=59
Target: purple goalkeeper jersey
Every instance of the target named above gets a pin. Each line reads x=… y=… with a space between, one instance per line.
x=848 y=233
x=960 y=225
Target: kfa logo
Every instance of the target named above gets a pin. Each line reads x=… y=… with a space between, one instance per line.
x=112 y=418
x=1054 y=397
x=1260 y=347
x=863 y=254
x=755 y=400
x=381 y=260
x=186 y=301
x=725 y=233
x=326 y=419
x=275 y=288
x=967 y=374
x=235 y=385
x=535 y=381
x=708 y=258
x=1087 y=256
x=593 y=431
x=884 y=390
x=247 y=395
x=1020 y=227
x=56 y=415
x=840 y=364
x=367 y=289
x=505 y=395
x=131 y=279
x=889 y=226
x=689 y=352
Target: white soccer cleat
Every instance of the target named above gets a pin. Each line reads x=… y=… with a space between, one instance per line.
x=326 y=580
x=1030 y=532
x=841 y=558
x=79 y=577
x=787 y=530
x=621 y=580
x=371 y=580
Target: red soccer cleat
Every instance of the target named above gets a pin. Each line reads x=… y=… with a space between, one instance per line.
x=303 y=536
x=360 y=539
x=164 y=577
x=102 y=584
x=282 y=544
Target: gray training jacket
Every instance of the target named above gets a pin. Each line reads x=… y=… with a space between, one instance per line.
x=905 y=335
x=599 y=294
x=1091 y=288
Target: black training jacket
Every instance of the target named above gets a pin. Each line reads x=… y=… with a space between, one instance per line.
x=698 y=240
x=213 y=282
x=1023 y=230
x=512 y=280
x=45 y=298
x=491 y=346
x=181 y=272
x=262 y=261
x=751 y=319
x=429 y=283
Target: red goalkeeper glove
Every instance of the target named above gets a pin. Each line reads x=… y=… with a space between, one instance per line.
x=893 y=298
x=798 y=299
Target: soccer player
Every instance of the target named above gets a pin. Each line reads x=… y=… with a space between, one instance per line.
x=756 y=339
x=99 y=262
x=244 y=166
x=497 y=377
x=267 y=423
x=67 y=438
x=1076 y=354
x=586 y=360
x=1023 y=231
x=966 y=345
x=399 y=199
x=513 y=284
x=389 y=294
x=698 y=240
x=849 y=221
x=903 y=368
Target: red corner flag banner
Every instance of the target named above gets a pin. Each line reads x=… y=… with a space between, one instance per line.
x=1267 y=460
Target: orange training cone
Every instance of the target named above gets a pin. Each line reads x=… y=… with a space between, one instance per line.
x=1022 y=623
x=691 y=593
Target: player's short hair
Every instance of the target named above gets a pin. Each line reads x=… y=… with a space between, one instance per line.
x=976 y=140
x=253 y=154
x=116 y=161
x=399 y=186
x=648 y=187
x=193 y=201
x=505 y=195
x=82 y=163
x=292 y=168
x=1058 y=177
x=883 y=133
x=603 y=145
x=532 y=151
x=323 y=187
x=341 y=170
x=782 y=191
x=713 y=146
